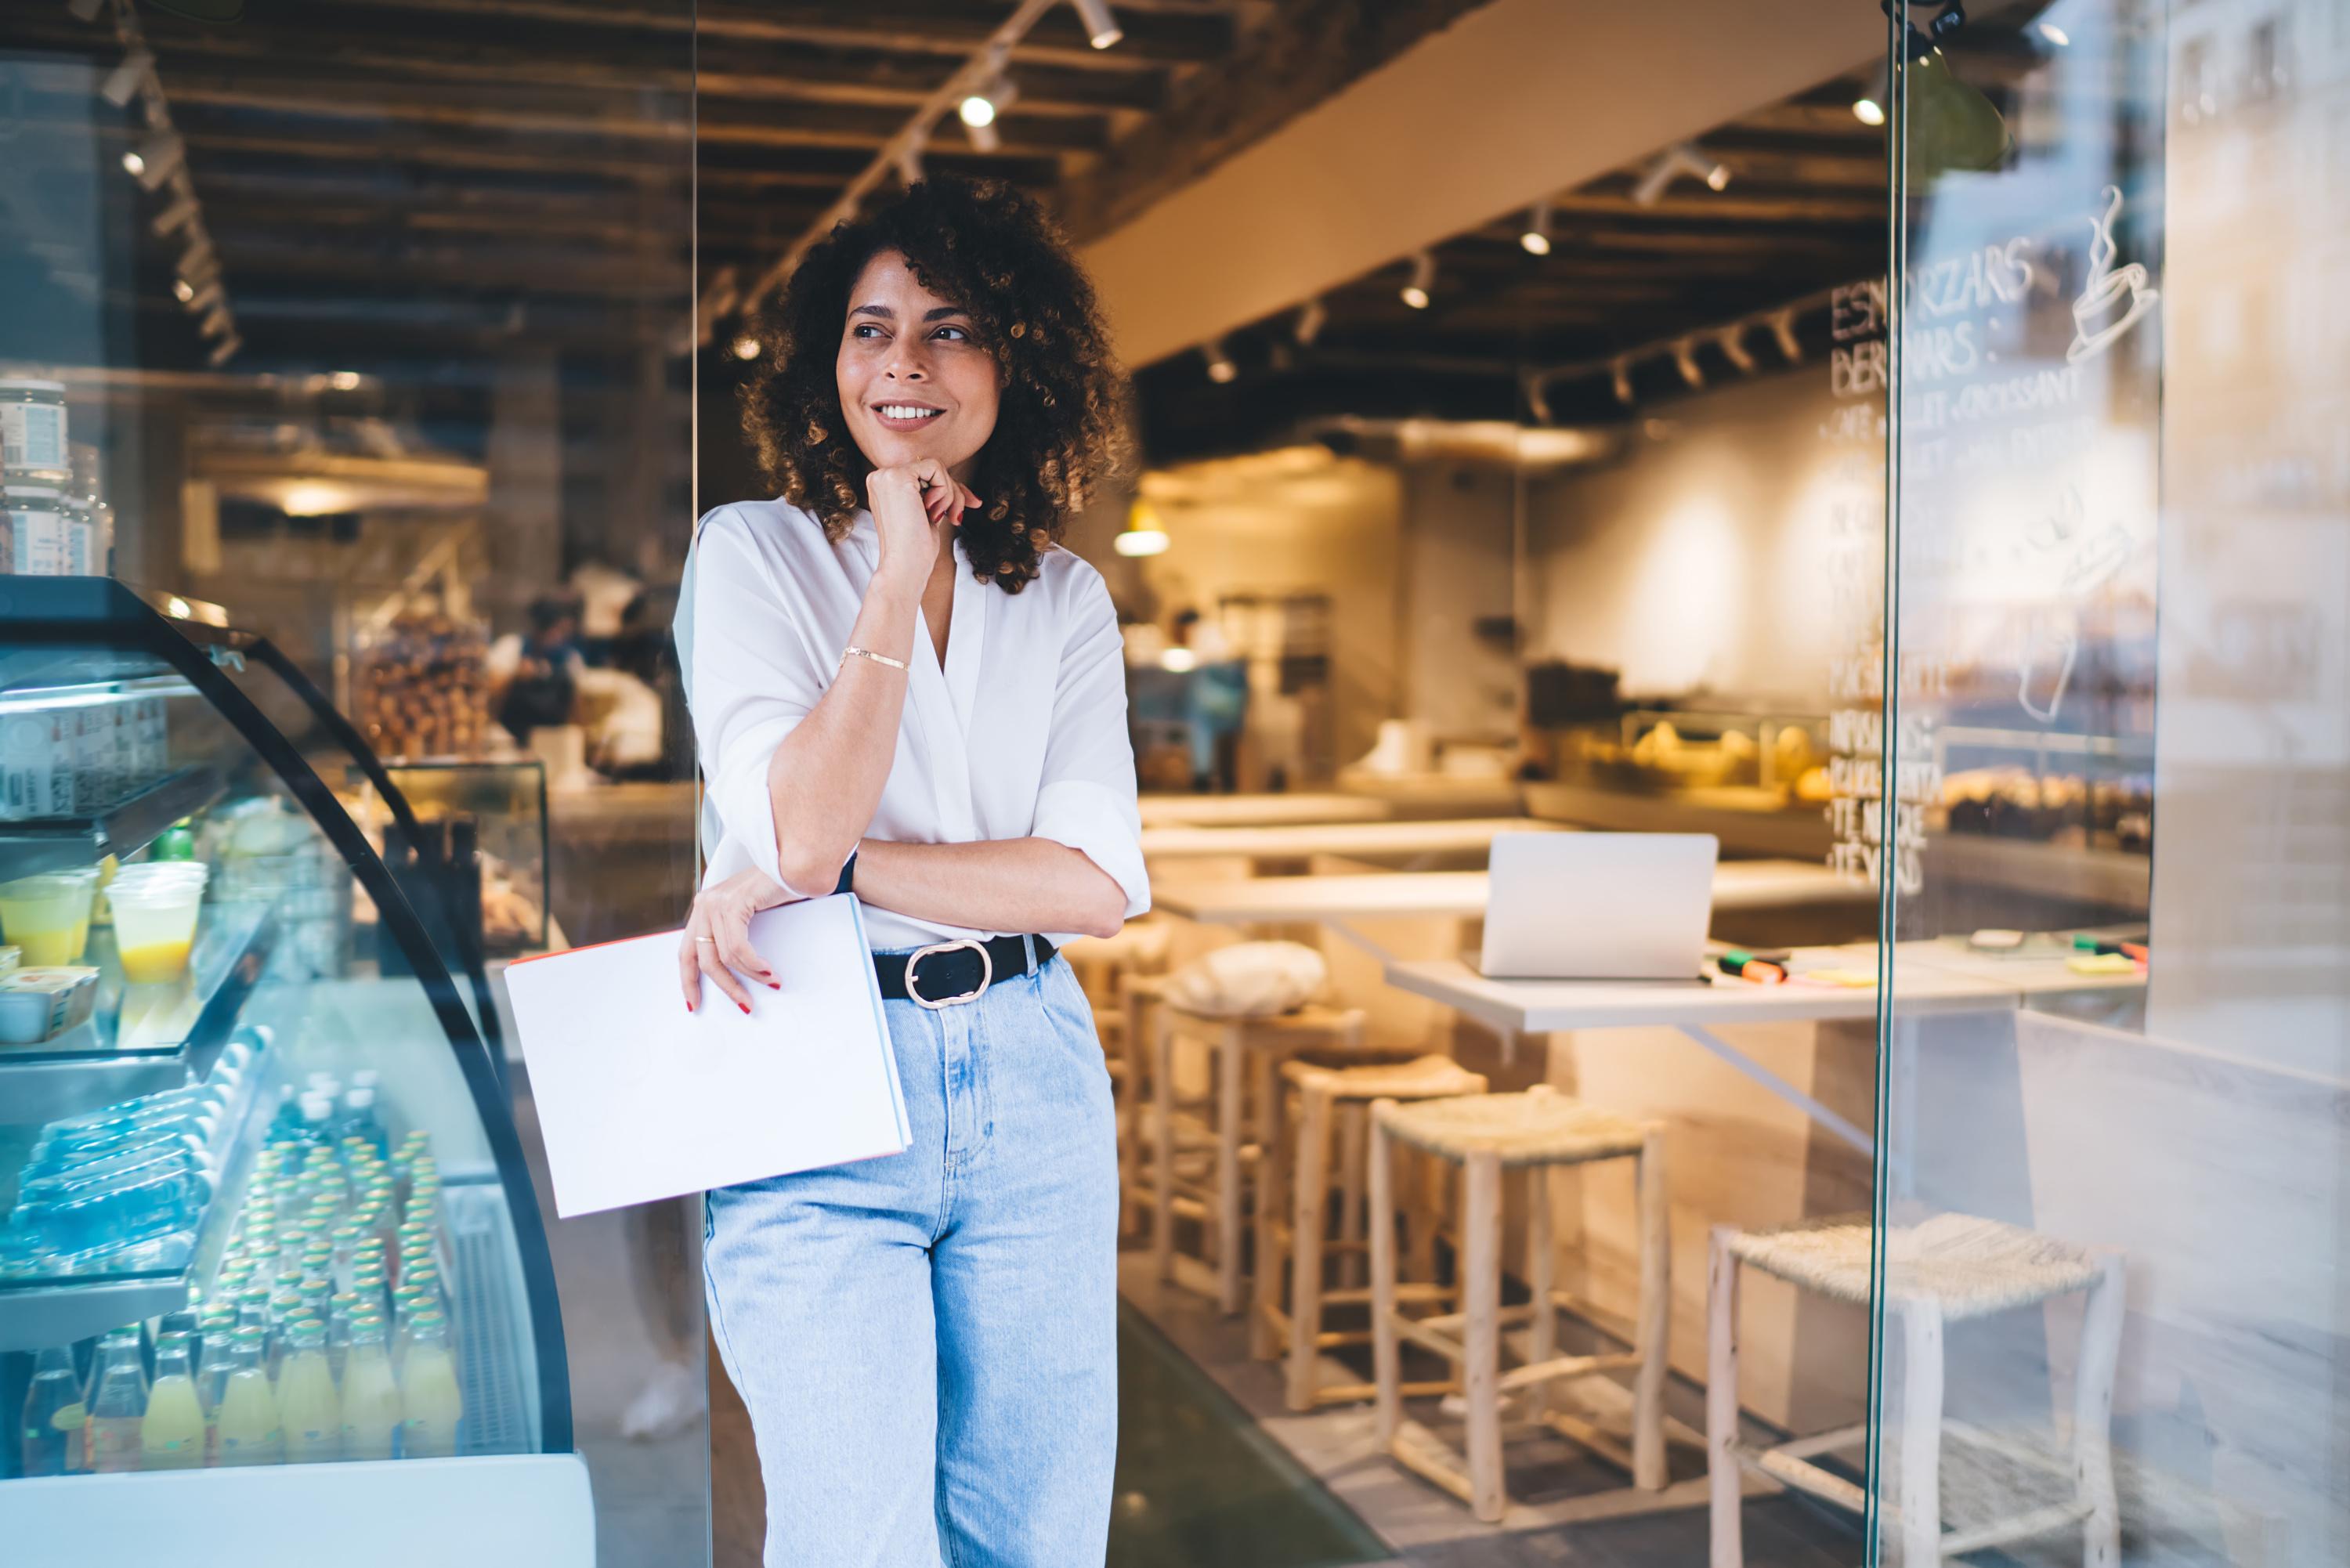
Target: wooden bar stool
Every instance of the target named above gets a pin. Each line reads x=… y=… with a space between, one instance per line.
x=1293 y=1217
x=1245 y=1055
x=1133 y=1084
x=1484 y=1134
x=1945 y=1270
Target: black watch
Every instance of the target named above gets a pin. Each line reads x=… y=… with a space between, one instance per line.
x=848 y=883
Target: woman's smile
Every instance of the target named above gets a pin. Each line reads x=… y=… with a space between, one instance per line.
x=900 y=415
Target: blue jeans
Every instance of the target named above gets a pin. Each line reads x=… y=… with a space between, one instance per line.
x=928 y=1343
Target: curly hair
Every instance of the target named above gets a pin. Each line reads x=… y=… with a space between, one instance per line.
x=1060 y=423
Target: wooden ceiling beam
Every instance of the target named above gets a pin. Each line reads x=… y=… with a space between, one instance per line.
x=305 y=57
x=940 y=28
x=777 y=124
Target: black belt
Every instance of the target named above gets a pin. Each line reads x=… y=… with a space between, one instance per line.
x=955 y=971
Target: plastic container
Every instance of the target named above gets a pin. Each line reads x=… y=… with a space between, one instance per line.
x=47 y=918
x=37 y=1004
x=155 y=925
x=34 y=444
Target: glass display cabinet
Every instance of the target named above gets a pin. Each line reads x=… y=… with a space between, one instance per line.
x=261 y=1202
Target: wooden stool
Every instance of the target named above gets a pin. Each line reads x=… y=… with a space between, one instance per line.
x=1484 y=1134
x=1240 y=1050
x=1128 y=1047
x=1293 y=1217
x=1948 y=1269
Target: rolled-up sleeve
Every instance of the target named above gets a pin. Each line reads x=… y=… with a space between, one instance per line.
x=1087 y=794
x=751 y=679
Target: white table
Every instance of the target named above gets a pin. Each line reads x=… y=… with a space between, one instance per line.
x=1250 y=810
x=1462 y=895
x=1433 y=837
x=1928 y=976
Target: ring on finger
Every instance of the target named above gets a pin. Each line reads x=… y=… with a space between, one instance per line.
x=713 y=941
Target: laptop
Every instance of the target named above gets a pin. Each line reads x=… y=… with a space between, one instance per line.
x=1598 y=906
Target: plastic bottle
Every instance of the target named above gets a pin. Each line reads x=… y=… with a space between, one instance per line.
x=430 y=1405
x=248 y=1428
x=307 y=1401
x=52 y=1426
x=117 y=1403
x=372 y=1406
x=172 y=1433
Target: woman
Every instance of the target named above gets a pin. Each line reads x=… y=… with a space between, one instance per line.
x=903 y=689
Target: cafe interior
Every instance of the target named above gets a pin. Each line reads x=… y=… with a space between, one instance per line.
x=1549 y=538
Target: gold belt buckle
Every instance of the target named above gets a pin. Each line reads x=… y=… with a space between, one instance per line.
x=986 y=973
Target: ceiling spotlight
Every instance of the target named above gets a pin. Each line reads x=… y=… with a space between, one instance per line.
x=1101 y=28
x=183 y=290
x=746 y=347
x=1620 y=371
x=1685 y=358
x=122 y=83
x=1734 y=348
x=1782 y=328
x=203 y=300
x=2053 y=34
x=1220 y=369
x=1868 y=108
x=1311 y=320
x=1423 y=278
x=976 y=110
x=1537 y=239
x=156 y=159
x=1683 y=158
x=343 y=380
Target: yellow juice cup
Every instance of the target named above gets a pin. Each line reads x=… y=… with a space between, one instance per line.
x=46 y=916
x=155 y=925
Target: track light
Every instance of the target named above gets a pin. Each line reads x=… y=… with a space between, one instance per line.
x=156 y=159
x=1220 y=369
x=1101 y=28
x=1620 y=372
x=202 y=301
x=2053 y=34
x=1423 y=279
x=122 y=83
x=746 y=347
x=183 y=211
x=1310 y=321
x=977 y=110
x=1685 y=358
x=1684 y=158
x=1782 y=328
x=1734 y=348
x=1537 y=239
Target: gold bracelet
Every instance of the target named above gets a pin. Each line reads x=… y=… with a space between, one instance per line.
x=854 y=652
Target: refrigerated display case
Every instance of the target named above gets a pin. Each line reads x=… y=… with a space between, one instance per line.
x=232 y=1132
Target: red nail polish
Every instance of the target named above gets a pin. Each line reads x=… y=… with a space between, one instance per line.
x=775 y=985
x=746 y=1007
x=689 y=1007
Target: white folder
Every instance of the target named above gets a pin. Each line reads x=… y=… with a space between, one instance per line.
x=639 y=1099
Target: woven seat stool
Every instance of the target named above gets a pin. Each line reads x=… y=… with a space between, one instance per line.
x=1293 y=1221
x=1244 y=1055
x=1484 y=1134
x=1944 y=1270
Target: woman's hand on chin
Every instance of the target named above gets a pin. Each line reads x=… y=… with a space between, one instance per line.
x=909 y=502
x=717 y=941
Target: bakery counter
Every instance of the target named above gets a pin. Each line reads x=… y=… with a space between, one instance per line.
x=620 y=858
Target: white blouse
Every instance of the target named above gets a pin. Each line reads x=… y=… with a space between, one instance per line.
x=1021 y=734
